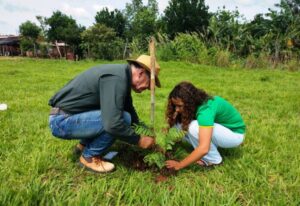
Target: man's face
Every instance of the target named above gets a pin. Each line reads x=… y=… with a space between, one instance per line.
x=141 y=81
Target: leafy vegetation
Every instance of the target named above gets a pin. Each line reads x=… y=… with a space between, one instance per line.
x=101 y=42
x=64 y=28
x=191 y=33
x=186 y=16
x=113 y=19
x=165 y=141
x=38 y=169
x=30 y=33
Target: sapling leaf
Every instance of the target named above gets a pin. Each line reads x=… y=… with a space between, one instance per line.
x=165 y=140
x=157 y=159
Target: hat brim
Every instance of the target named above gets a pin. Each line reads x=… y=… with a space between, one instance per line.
x=157 y=82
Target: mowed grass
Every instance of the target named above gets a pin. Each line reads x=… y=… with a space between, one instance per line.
x=39 y=169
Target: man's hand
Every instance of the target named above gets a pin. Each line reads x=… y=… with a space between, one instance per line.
x=146 y=142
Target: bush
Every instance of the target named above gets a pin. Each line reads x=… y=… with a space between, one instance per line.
x=222 y=58
x=251 y=62
x=260 y=61
x=137 y=47
x=42 y=50
x=189 y=47
x=292 y=65
x=26 y=45
x=108 y=50
x=166 y=52
x=165 y=48
x=101 y=42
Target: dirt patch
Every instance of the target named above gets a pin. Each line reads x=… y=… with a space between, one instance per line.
x=164 y=175
x=134 y=159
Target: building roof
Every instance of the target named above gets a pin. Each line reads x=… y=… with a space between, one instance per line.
x=9 y=40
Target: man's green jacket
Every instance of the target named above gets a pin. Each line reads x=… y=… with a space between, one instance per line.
x=106 y=88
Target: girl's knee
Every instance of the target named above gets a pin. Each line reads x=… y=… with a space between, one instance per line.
x=193 y=128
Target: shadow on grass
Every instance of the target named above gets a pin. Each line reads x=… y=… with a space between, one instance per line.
x=131 y=157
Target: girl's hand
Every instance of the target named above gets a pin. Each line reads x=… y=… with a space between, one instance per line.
x=173 y=164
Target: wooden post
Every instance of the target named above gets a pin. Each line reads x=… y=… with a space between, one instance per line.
x=152 y=83
x=57 y=47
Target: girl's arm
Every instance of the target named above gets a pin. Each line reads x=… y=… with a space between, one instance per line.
x=204 y=138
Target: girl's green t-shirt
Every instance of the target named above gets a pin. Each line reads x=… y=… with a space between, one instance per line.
x=218 y=110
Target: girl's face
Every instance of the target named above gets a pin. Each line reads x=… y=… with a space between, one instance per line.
x=179 y=105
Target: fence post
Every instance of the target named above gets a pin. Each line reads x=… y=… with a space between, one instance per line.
x=152 y=82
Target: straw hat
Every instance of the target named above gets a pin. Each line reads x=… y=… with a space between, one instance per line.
x=145 y=62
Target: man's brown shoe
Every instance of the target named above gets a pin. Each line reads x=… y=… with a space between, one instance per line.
x=78 y=149
x=96 y=164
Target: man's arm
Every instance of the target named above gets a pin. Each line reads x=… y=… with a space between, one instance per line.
x=113 y=92
x=130 y=108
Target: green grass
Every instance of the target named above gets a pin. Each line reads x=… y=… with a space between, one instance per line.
x=38 y=169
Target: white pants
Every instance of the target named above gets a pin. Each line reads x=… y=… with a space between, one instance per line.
x=221 y=137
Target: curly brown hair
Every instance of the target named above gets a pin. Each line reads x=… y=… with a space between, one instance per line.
x=192 y=97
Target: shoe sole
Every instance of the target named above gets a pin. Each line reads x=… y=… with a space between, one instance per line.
x=210 y=166
x=94 y=171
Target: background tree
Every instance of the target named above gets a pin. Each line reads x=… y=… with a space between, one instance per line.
x=186 y=16
x=284 y=26
x=101 y=42
x=114 y=19
x=227 y=31
x=30 y=33
x=132 y=8
x=64 y=28
x=141 y=23
x=43 y=25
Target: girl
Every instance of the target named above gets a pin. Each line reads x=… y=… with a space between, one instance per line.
x=210 y=121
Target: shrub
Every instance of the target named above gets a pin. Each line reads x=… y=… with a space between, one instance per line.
x=189 y=47
x=166 y=52
x=137 y=47
x=43 y=50
x=260 y=61
x=111 y=50
x=165 y=48
x=292 y=65
x=101 y=42
x=222 y=58
x=251 y=62
x=26 y=45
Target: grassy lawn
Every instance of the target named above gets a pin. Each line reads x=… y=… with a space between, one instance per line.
x=37 y=168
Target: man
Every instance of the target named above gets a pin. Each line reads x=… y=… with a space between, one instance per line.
x=96 y=107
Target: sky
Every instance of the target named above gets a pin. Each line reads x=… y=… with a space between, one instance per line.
x=15 y=12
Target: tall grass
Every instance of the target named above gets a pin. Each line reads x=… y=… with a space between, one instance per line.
x=38 y=169
x=193 y=48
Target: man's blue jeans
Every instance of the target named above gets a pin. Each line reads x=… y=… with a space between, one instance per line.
x=88 y=127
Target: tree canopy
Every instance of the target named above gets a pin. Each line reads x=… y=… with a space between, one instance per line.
x=186 y=16
x=30 y=30
x=113 y=19
x=30 y=33
x=63 y=28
